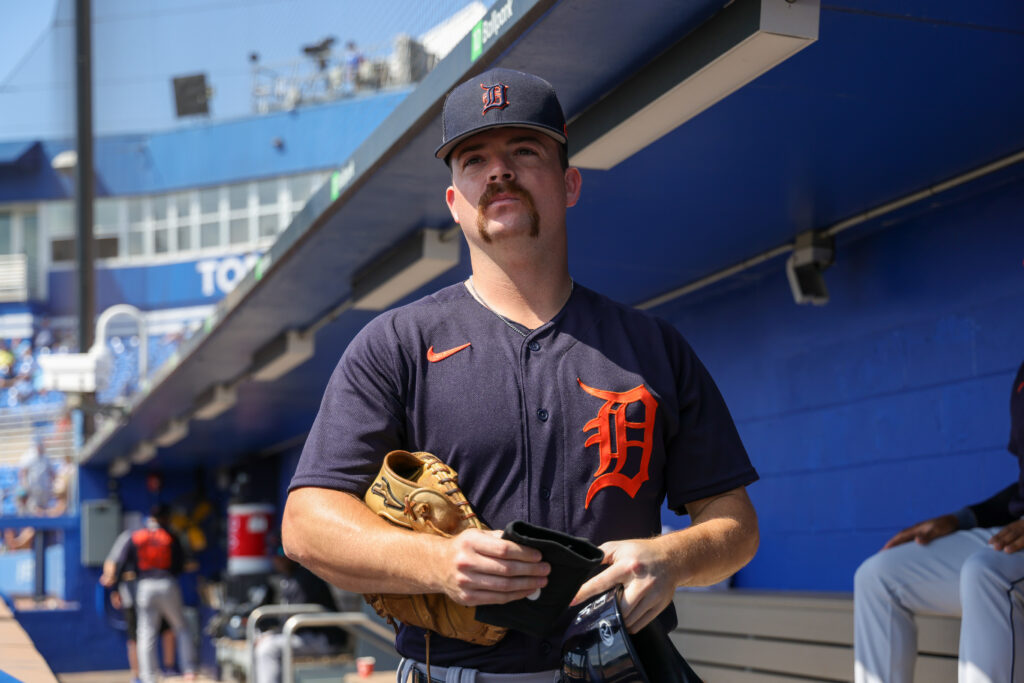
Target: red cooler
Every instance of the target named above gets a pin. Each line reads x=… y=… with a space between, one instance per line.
x=248 y=526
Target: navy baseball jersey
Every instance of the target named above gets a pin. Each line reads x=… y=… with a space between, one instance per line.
x=585 y=424
x=1007 y=505
x=1016 y=446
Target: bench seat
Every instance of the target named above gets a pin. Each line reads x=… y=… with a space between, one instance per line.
x=747 y=636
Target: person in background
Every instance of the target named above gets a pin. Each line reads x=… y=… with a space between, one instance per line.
x=64 y=483
x=294 y=584
x=43 y=338
x=19 y=539
x=159 y=558
x=122 y=597
x=353 y=58
x=967 y=563
x=35 y=475
x=6 y=364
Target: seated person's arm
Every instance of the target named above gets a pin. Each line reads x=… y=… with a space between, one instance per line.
x=988 y=513
x=994 y=511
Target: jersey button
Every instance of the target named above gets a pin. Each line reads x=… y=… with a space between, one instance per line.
x=534 y=346
x=542 y=415
x=545 y=493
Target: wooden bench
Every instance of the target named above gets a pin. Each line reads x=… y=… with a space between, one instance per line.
x=745 y=636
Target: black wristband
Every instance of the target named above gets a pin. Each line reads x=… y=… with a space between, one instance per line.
x=965 y=519
x=573 y=560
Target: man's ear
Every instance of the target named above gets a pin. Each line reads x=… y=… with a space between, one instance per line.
x=449 y=198
x=573 y=185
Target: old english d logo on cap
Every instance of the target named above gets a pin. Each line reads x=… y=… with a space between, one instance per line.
x=495 y=97
x=510 y=99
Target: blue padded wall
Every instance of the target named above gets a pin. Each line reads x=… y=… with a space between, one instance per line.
x=886 y=406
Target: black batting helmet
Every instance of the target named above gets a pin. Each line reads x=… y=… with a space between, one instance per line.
x=598 y=649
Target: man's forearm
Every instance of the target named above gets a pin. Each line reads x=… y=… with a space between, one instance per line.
x=334 y=535
x=722 y=538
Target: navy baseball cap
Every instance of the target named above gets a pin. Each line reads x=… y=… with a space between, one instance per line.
x=500 y=98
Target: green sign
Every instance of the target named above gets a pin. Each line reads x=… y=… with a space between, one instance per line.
x=476 y=47
x=335 y=185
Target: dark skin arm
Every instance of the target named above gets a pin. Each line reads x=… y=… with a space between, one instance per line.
x=1009 y=539
x=924 y=532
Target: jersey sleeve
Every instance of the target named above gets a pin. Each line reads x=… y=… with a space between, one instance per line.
x=994 y=511
x=361 y=416
x=126 y=556
x=1015 y=507
x=705 y=455
x=1016 y=445
x=118 y=550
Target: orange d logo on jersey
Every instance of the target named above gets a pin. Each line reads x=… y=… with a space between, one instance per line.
x=612 y=438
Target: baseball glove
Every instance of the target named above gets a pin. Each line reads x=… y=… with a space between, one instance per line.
x=419 y=492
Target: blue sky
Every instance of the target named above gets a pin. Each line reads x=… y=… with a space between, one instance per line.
x=21 y=25
x=139 y=47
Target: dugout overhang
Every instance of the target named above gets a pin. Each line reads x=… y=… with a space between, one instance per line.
x=884 y=103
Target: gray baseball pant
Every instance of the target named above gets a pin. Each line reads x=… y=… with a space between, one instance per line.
x=154 y=597
x=959 y=575
x=269 y=652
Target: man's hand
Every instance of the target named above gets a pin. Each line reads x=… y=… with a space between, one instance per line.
x=925 y=532
x=1010 y=538
x=481 y=568
x=115 y=599
x=647 y=590
x=107 y=578
x=722 y=538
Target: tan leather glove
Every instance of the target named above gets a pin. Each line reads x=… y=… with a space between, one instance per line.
x=419 y=492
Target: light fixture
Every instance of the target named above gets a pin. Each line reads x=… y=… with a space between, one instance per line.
x=172 y=432
x=119 y=467
x=812 y=254
x=741 y=42
x=398 y=272
x=143 y=453
x=215 y=401
x=65 y=162
x=280 y=356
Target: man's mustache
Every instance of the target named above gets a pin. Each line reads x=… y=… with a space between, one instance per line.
x=503 y=187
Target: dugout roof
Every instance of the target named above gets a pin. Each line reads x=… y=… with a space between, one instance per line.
x=891 y=99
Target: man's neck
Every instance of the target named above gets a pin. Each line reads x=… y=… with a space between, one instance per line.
x=525 y=296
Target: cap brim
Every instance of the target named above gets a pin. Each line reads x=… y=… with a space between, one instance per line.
x=444 y=150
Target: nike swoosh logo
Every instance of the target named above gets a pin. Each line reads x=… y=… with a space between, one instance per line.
x=437 y=357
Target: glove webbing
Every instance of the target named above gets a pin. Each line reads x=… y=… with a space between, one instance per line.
x=449 y=480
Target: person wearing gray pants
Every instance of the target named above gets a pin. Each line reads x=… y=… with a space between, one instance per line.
x=159 y=558
x=156 y=597
x=969 y=564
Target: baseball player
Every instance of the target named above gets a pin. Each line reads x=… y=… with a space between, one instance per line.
x=967 y=563
x=158 y=557
x=123 y=598
x=554 y=404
